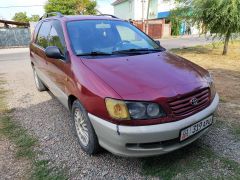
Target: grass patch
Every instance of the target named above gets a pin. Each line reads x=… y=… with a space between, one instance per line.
x=43 y=171
x=189 y=163
x=2 y=95
x=237 y=131
x=15 y=133
x=25 y=143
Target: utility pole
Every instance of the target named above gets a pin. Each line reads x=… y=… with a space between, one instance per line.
x=143 y=1
x=148 y=7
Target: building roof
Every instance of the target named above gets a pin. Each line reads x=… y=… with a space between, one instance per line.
x=118 y=2
x=164 y=14
x=14 y=23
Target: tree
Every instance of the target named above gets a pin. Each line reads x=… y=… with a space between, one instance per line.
x=34 y=18
x=219 y=17
x=20 y=17
x=175 y=24
x=71 y=7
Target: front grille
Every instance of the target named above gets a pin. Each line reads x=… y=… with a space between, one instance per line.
x=182 y=106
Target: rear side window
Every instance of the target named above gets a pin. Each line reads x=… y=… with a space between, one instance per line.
x=56 y=37
x=42 y=37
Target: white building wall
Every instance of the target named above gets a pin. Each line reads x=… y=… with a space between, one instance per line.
x=138 y=13
x=166 y=5
x=124 y=10
x=132 y=9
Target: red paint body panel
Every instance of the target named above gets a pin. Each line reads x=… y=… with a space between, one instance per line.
x=155 y=77
x=149 y=76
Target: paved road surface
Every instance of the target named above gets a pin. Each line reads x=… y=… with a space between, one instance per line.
x=184 y=42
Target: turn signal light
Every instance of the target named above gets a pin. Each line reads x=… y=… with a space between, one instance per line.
x=117 y=109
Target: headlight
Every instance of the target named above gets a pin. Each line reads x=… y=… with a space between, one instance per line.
x=136 y=110
x=153 y=110
x=209 y=79
x=133 y=110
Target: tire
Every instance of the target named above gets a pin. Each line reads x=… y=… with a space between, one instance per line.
x=38 y=82
x=84 y=131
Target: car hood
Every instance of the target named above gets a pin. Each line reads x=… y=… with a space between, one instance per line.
x=149 y=76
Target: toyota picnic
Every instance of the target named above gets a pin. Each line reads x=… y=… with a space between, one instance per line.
x=125 y=92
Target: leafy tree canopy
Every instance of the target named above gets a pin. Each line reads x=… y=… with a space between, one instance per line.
x=71 y=7
x=34 y=18
x=219 y=17
x=20 y=17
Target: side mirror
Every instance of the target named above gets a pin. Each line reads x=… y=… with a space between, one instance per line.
x=53 y=52
x=158 y=42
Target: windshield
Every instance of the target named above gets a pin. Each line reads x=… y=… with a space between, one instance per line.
x=103 y=37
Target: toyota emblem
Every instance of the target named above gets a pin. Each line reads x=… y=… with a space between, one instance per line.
x=194 y=101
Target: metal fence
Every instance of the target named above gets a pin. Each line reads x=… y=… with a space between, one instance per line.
x=14 y=37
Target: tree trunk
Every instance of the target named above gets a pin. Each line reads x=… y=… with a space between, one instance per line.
x=227 y=38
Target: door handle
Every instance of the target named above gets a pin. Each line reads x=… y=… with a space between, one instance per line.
x=66 y=79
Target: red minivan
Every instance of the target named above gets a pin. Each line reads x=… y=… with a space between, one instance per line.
x=125 y=92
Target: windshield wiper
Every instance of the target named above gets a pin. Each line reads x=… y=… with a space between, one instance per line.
x=136 y=50
x=94 y=53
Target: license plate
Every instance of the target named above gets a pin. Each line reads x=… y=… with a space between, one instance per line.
x=195 y=128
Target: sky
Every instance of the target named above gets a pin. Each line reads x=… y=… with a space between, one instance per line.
x=8 y=7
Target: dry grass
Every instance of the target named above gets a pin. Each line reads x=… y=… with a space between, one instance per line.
x=226 y=73
x=2 y=95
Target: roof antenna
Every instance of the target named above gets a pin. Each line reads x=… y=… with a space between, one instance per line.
x=99 y=11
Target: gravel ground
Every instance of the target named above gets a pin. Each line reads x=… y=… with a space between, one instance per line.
x=48 y=120
x=10 y=166
x=221 y=140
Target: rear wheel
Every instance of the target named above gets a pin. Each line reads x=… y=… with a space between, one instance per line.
x=86 y=135
x=38 y=82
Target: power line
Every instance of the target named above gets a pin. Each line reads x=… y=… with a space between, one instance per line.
x=21 y=6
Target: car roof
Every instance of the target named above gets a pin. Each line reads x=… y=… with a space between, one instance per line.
x=82 y=17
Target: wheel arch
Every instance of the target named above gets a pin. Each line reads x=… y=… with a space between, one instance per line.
x=71 y=99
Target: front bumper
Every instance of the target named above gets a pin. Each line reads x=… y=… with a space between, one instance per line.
x=141 y=141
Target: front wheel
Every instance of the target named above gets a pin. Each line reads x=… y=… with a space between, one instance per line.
x=87 y=137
